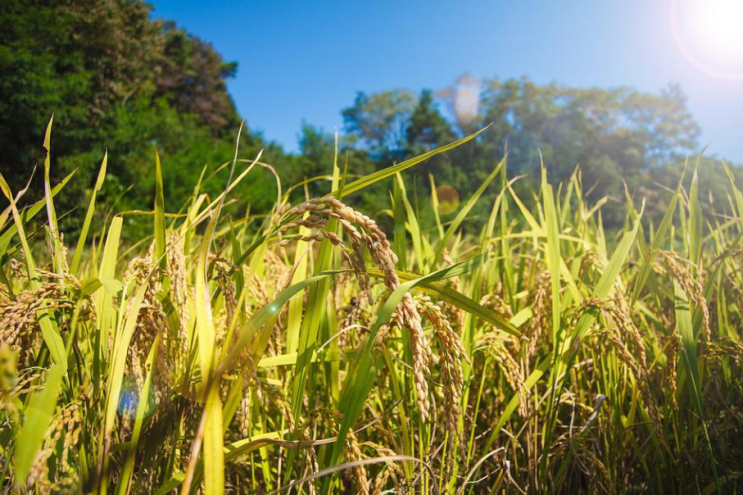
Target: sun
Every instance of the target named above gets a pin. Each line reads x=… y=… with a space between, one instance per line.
x=710 y=35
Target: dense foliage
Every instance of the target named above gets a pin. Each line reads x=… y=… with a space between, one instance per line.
x=615 y=135
x=308 y=351
x=117 y=79
x=114 y=79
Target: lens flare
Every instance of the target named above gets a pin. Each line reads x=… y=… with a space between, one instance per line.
x=709 y=33
x=131 y=396
x=448 y=200
x=467 y=99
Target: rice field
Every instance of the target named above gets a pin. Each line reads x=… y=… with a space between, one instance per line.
x=311 y=351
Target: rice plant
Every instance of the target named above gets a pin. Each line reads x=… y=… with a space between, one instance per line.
x=310 y=351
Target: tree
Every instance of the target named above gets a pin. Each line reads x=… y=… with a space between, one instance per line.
x=427 y=128
x=615 y=135
x=193 y=79
x=317 y=153
x=379 y=121
x=115 y=78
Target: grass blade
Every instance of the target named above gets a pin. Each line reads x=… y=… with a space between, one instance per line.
x=88 y=217
x=38 y=416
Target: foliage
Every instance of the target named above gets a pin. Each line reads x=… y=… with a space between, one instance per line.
x=116 y=78
x=617 y=135
x=380 y=120
x=310 y=352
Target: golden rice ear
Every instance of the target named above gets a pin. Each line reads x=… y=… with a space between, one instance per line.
x=381 y=252
x=674 y=350
x=353 y=454
x=680 y=269
x=178 y=274
x=509 y=367
x=364 y=233
x=450 y=360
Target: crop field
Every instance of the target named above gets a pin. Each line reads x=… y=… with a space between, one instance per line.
x=310 y=350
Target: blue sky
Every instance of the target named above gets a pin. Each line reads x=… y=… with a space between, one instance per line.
x=305 y=60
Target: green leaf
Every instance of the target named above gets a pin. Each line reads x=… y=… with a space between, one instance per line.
x=103 y=298
x=658 y=238
x=90 y=285
x=609 y=277
x=360 y=377
x=117 y=367
x=56 y=245
x=38 y=417
x=159 y=214
x=464 y=211
x=127 y=469
x=88 y=217
x=390 y=171
x=446 y=294
x=28 y=214
x=48 y=329
x=554 y=260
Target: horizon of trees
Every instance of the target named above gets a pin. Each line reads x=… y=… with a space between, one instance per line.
x=119 y=80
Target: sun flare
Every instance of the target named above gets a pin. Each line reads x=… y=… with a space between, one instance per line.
x=710 y=35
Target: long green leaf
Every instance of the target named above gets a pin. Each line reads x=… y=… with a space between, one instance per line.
x=28 y=214
x=390 y=171
x=38 y=416
x=360 y=377
x=159 y=213
x=89 y=216
x=48 y=330
x=464 y=211
x=56 y=244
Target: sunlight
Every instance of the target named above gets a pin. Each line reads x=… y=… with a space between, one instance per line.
x=709 y=34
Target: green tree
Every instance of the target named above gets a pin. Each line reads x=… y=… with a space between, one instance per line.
x=316 y=156
x=193 y=79
x=615 y=135
x=379 y=121
x=427 y=127
x=115 y=78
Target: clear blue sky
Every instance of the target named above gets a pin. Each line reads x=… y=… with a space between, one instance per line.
x=307 y=59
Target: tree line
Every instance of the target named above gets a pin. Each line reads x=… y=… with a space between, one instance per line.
x=117 y=79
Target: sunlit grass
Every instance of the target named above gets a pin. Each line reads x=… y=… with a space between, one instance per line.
x=306 y=351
